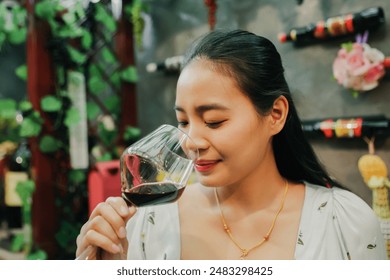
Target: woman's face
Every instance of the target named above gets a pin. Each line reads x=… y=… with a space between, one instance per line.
x=234 y=141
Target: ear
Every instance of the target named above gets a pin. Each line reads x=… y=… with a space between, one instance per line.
x=279 y=114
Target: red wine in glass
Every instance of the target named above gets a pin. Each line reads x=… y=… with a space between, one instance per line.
x=136 y=191
x=156 y=169
x=153 y=194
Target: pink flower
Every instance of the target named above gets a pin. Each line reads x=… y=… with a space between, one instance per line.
x=358 y=67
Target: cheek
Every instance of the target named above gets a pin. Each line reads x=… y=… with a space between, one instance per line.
x=243 y=140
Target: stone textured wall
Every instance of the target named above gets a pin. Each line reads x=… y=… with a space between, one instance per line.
x=171 y=25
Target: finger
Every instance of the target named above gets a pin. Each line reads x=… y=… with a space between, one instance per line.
x=102 y=241
x=90 y=253
x=125 y=212
x=101 y=225
x=109 y=213
x=120 y=206
x=104 y=227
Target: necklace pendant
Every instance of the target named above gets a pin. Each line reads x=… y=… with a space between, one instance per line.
x=244 y=253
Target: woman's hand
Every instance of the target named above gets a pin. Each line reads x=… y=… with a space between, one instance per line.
x=104 y=234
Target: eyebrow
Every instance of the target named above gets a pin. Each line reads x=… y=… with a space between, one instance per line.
x=204 y=108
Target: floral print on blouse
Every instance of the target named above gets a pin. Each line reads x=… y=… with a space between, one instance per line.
x=335 y=225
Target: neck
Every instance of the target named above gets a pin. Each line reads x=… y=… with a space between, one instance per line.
x=253 y=194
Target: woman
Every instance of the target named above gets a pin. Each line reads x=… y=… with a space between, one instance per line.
x=261 y=193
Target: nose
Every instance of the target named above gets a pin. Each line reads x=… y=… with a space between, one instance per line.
x=197 y=141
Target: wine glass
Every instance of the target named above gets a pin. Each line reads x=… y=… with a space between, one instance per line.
x=156 y=169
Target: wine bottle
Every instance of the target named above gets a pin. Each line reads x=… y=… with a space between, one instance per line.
x=337 y=26
x=7 y=148
x=169 y=65
x=348 y=127
x=17 y=170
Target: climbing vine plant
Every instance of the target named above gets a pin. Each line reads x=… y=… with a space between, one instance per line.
x=80 y=41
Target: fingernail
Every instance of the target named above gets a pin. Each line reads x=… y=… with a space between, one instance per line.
x=122 y=232
x=124 y=210
x=120 y=248
x=132 y=209
x=115 y=248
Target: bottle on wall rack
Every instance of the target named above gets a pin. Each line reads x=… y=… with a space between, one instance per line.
x=17 y=170
x=169 y=65
x=333 y=27
x=347 y=127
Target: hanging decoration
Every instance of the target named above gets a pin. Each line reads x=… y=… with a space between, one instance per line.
x=375 y=174
x=358 y=66
x=212 y=6
x=134 y=12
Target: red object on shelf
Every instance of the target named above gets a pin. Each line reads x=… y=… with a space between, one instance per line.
x=386 y=62
x=103 y=182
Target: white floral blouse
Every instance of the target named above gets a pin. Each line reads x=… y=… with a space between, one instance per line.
x=335 y=225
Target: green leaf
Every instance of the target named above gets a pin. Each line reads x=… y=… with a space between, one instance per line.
x=106 y=136
x=19 y=14
x=76 y=56
x=72 y=117
x=116 y=79
x=17 y=36
x=130 y=74
x=93 y=110
x=113 y=104
x=69 y=18
x=2 y=38
x=51 y=103
x=93 y=70
x=105 y=18
x=31 y=125
x=105 y=157
x=49 y=144
x=131 y=133
x=25 y=189
x=76 y=176
x=79 y=10
x=7 y=108
x=70 y=32
x=37 y=255
x=21 y=72
x=86 y=39
x=96 y=85
x=108 y=56
x=46 y=9
x=17 y=243
x=347 y=46
x=25 y=106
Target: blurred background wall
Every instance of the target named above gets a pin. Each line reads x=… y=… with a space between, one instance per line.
x=171 y=25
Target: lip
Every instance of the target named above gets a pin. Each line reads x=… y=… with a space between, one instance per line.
x=205 y=165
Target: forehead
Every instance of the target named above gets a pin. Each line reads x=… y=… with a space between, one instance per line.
x=200 y=82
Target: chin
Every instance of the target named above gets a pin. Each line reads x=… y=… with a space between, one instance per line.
x=208 y=181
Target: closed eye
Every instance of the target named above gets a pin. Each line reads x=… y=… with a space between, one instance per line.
x=182 y=124
x=214 y=124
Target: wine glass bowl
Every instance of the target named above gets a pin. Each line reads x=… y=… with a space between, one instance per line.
x=156 y=169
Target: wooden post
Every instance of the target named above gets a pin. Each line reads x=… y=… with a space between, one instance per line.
x=41 y=82
x=125 y=51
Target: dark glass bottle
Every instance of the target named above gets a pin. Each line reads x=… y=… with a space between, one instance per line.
x=17 y=170
x=333 y=27
x=348 y=127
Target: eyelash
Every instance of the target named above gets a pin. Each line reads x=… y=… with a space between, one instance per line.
x=214 y=124
x=208 y=124
x=182 y=124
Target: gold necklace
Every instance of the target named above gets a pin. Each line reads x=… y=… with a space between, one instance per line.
x=244 y=251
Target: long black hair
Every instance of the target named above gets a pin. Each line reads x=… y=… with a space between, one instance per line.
x=256 y=66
